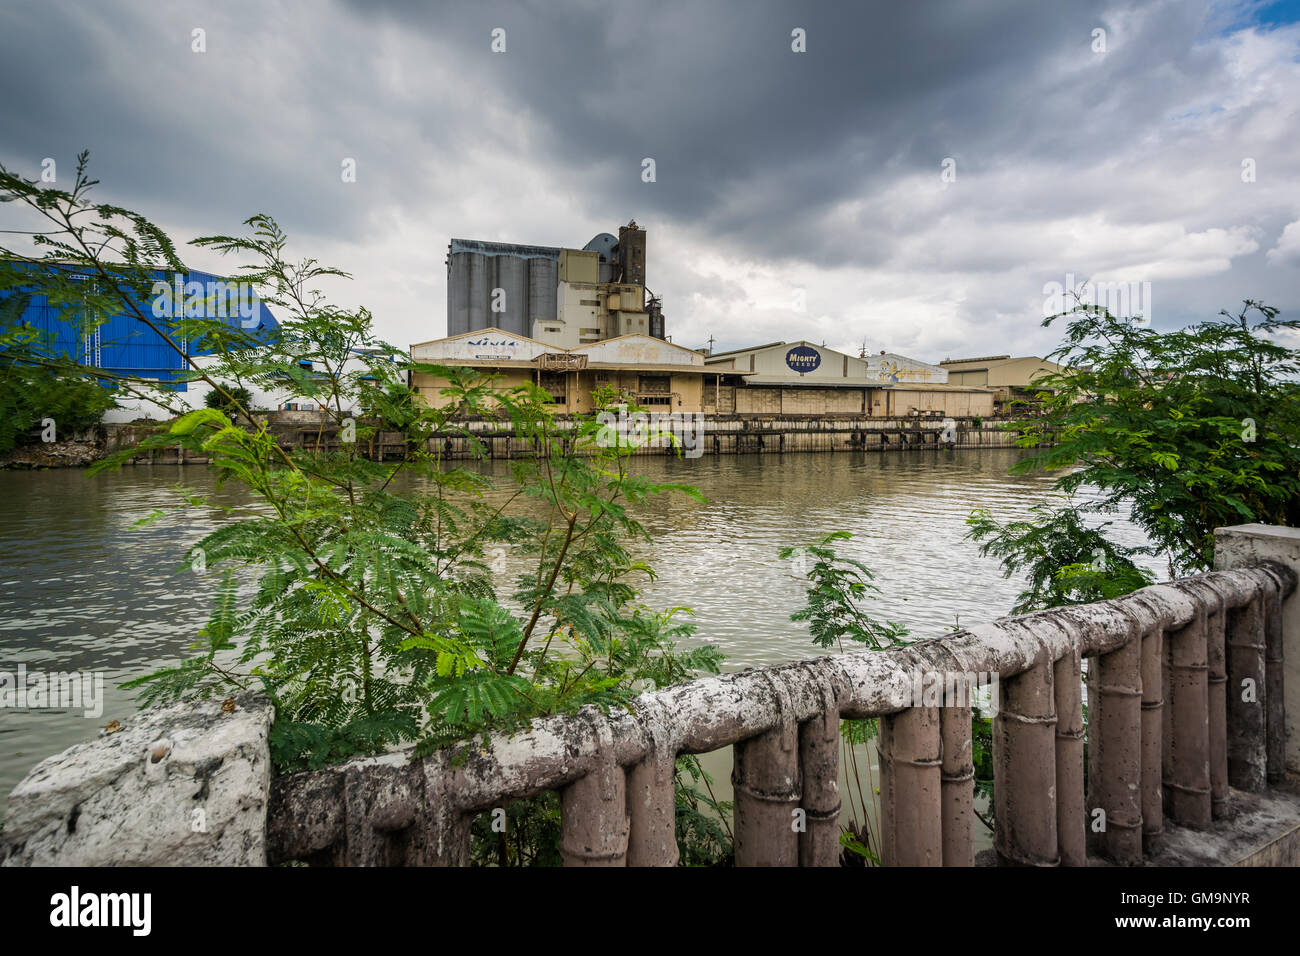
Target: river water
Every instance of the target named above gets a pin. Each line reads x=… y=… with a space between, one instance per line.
x=83 y=588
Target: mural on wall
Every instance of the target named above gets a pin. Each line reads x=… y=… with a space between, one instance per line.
x=896 y=369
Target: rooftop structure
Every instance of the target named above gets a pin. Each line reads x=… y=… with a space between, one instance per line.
x=1014 y=378
x=567 y=297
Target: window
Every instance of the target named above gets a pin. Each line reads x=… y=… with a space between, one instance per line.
x=553 y=382
x=654 y=383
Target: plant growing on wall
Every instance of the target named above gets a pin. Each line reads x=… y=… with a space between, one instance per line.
x=1065 y=561
x=834 y=612
x=1187 y=430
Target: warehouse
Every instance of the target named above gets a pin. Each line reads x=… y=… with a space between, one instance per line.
x=800 y=378
x=651 y=372
x=123 y=345
x=1014 y=379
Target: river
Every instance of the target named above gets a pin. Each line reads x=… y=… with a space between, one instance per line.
x=83 y=588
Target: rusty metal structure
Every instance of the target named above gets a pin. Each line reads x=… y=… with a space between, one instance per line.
x=1166 y=741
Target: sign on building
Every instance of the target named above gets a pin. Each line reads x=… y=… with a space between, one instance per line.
x=803 y=358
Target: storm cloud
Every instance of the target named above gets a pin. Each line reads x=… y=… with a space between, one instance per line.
x=910 y=181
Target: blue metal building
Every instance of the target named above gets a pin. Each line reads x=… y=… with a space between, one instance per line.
x=124 y=345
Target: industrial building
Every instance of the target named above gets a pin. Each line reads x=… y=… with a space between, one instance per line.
x=544 y=314
x=1012 y=378
x=566 y=297
x=652 y=372
x=801 y=378
x=122 y=345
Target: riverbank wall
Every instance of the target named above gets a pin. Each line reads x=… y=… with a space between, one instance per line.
x=745 y=434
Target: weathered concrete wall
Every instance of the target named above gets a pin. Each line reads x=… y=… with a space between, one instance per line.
x=1246 y=544
x=758 y=401
x=812 y=401
x=736 y=434
x=177 y=786
x=779 y=434
x=78 y=450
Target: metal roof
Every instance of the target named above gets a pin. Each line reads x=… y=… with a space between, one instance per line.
x=120 y=342
x=751 y=348
x=523 y=251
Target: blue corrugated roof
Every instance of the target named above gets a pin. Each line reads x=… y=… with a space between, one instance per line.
x=124 y=345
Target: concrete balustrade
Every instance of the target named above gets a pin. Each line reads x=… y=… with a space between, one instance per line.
x=1071 y=829
x=1189 y=687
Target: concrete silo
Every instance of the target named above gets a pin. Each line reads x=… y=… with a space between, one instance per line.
x=479 y=289
x=543 y=287
x=527 y=274
x=510 y=275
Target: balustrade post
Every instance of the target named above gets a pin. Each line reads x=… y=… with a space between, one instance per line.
x=1247 y=726
x=652 y=798
x=953 y=689
x=380 y=802
x=1024 y=768
x=1071 y=821
x=910 y=782
x=652 y=811
x=819 y=767
x=958 y=782
x=445 y=837
x=593 y=810
x=1274 y=686
x=765 y=778
x=1115 y=742
x=443 y=828
x=767 y=792
x=1216 y=687
x=1187 y=744
x=1153 y=705
x=1150 y=636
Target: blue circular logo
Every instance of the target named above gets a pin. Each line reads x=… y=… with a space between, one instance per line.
x=803 y=358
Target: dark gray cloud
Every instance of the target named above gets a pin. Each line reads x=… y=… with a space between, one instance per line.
x=776 y=171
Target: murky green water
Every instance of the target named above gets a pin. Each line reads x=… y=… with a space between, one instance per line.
x=82 y=589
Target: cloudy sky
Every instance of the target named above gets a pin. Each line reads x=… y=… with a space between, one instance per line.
x=913 y=179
